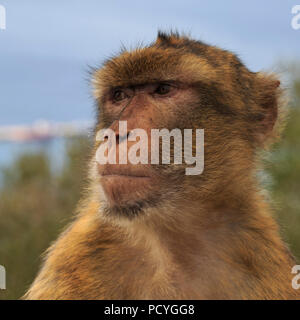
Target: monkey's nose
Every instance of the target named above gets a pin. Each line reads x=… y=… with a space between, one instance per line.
x=120 y=139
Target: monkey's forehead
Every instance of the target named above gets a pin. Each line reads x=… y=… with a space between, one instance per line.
x=161 y=63
x=148 y=65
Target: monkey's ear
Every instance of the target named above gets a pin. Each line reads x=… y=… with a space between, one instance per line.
x=269 y=108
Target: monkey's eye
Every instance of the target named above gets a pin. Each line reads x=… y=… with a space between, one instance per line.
x=119 y=95
x=163 y=89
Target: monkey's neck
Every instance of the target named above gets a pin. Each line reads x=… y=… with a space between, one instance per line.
x=194 y=224
x=188 y=251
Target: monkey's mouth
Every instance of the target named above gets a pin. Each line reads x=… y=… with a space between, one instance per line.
x=127 y=180
x=121 y=175
x=122 y=171
x=124 y=184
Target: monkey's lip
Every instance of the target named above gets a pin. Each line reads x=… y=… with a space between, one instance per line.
x=123 y=171
x=123 y=183
x=123 y=176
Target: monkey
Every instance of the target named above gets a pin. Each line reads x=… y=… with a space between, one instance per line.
x=145 y=231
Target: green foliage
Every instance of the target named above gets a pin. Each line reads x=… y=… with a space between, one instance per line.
x=284 y=170
x=35 y=205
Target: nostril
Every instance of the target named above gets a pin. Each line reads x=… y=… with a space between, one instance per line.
x=119 y=138
x=106 y=138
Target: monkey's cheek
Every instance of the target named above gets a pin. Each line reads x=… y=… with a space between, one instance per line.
x=121 y=190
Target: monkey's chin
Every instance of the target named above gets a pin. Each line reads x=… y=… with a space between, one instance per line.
x=127 y=195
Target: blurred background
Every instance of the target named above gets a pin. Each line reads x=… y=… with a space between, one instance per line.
x=46 y=108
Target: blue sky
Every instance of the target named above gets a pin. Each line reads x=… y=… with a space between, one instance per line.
x=47 y=45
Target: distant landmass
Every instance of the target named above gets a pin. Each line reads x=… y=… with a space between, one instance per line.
x=43 y=130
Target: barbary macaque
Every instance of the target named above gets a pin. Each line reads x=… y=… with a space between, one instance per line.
x=151 y=231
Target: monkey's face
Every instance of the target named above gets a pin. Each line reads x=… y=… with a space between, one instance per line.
x=158 y=105
x=183 y=84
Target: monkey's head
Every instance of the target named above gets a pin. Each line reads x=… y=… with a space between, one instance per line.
x=179 y=83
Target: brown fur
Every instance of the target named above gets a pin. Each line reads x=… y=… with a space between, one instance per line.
x=198 y=237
